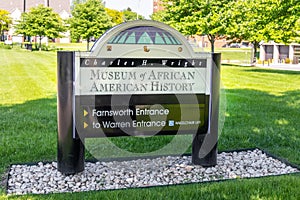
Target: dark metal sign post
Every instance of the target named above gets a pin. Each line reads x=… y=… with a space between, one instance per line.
x=141 y=78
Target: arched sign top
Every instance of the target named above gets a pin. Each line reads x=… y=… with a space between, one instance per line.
x=144 y=35
x=143 y=38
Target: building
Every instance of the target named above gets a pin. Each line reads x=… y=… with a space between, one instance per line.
x=25 y=5
x=157 y=6
x=17 y=7
x=272 y=52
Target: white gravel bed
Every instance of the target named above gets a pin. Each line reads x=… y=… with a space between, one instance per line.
x=45 y=178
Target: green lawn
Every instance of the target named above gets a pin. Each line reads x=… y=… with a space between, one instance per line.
x=243 y=55
x=72 y=46
x=262 y=110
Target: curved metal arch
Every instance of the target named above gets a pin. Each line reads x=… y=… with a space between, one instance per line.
x=101 y=44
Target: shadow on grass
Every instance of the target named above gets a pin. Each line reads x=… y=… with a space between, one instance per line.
x=274 y=71
x=259 y=119
x=281 y=187
x=28 y=132
x=234 y=65
x=253 y=119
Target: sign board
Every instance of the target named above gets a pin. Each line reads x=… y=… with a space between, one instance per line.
x=151 y=86
x=141 y=78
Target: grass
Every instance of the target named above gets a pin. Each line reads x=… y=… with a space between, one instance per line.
x=262 y=111
x=72 y=46
x=26 y=75
x=256 y=189
x=243 y=55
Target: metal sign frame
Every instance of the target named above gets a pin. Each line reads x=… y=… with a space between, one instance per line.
x=156 y=74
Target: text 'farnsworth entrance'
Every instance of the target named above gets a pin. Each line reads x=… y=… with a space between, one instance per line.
x=140 y=79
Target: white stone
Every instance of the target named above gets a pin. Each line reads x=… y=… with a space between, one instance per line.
x=44 y=178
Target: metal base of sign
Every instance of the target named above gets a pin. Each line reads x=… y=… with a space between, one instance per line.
x=204 y=149
x=205 y=156
x=70 y=151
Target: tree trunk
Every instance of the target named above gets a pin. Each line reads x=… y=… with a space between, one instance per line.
x=211 y=38
x=40 y=45
x=255 y=46
x=88 y=44
x=1 y=32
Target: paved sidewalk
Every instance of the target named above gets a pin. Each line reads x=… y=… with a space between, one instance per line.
x=290 y=67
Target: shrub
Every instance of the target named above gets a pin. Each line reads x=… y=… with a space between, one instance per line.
x=5 y=46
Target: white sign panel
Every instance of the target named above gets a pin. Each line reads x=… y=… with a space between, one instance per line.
x=123 y=76
x=141 y=80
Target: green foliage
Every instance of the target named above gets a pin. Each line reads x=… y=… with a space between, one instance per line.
x=45 y=47
x=119 y=17
x=296 y=38
x=285 y=15
x=89 y=20
x=263 y=20
x=158 y=16
x=78 y=1
x=246 y=20
x=5 y=21
x=200 y=17
x=40 y=21
x=116 y=16
x=250 y=20
x=129 y=15
x=74 y=2
x=5 y=46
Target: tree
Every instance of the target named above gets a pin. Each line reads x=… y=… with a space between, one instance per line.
x=5 y=21
x=296 y=38
x=78 y=1
x=116 y=16
x=74 y=2
x=129 y=15
x=260 y=20
x=285 y=15
x=41 y=21
x=246 y=21
x=89 y=20
x=201 y=17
